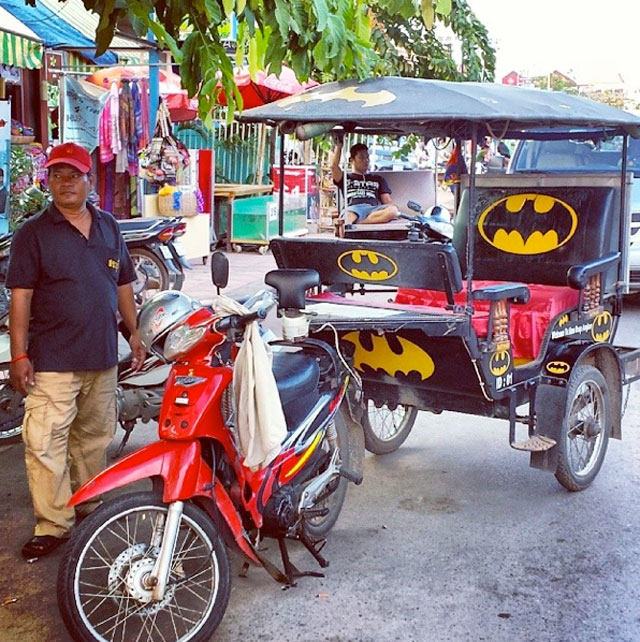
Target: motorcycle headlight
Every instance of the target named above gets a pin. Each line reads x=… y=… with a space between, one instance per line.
x=181 y=340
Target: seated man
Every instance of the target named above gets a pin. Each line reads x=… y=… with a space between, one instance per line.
x=368 y=195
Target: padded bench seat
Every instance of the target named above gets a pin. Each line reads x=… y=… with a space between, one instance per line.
x=529 y=321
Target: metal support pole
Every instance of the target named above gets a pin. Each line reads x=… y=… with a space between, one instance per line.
x=471 y=223
x=623 y=241
x=281 y=194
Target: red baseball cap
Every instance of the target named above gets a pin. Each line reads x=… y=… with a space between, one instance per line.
x=70 y=154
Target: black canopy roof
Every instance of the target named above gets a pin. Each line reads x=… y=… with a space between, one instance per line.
x=395 y=105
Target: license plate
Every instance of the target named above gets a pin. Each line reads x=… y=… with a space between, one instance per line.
x=166 y=252
x=179 y=248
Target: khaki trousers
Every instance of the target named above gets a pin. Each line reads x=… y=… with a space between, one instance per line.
x=69 y=421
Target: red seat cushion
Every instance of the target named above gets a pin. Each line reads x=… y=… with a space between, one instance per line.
x=529 y=321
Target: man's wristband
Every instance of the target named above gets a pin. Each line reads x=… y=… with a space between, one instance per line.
x=20 y=358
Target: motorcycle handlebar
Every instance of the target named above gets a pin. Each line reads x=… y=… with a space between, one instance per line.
x=237 y=321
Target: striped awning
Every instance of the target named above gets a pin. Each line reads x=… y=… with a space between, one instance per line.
x=18 y=51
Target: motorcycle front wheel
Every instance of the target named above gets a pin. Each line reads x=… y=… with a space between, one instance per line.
x=151 y=274
x=103 y=593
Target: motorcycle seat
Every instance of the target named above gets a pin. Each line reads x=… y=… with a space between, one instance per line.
x=297 y=375
x=137 y=225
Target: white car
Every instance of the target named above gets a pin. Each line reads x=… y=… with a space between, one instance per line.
x=587 y=156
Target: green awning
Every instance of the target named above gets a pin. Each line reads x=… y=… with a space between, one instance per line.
x=20 y=52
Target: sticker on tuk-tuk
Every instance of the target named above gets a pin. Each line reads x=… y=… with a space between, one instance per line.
x=367 y=265
x=528 y=224
x=558 y=367
x=500 y=362
x=376 y=353
x=602 y=327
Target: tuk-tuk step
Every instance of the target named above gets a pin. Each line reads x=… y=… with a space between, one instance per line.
x=535 y=444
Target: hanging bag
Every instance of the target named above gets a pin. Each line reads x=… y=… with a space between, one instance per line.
x=165 y=157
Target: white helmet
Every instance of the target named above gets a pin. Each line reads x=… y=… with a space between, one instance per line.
x=161 y=313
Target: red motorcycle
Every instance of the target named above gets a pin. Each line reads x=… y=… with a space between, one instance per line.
x=153 y=565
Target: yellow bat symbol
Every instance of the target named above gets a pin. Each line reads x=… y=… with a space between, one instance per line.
x=500 y=362
x=528 y=224
x=380 y=356
x=558 y=367
x=602 y=326
x=564 y=319
x=350 y=94
x=367 y=265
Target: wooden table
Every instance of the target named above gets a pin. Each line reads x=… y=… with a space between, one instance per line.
x=231 y=191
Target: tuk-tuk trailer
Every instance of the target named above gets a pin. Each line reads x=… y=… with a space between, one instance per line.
x=513 y=319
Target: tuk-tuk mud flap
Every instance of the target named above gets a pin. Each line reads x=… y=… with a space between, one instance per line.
x=549 y=405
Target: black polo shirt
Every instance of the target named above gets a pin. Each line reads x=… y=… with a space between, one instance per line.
x=75 y=289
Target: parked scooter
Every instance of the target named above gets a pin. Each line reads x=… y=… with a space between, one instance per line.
x=11 y=401
x=152 y=565
x=157 y=254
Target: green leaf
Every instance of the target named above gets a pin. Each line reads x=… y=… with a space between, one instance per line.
x=228 y=7
x=443 y=7
x=320 y=54
x=284 y=19
x=322 y=14
x=336 y=35
x=241 y=39
x=212 y=9
x=240 y=6
x=253 y=57
x=428 y=13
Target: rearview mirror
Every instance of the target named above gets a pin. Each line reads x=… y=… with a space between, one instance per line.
x=219 y=270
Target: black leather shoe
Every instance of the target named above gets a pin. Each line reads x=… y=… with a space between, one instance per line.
x=41 y=545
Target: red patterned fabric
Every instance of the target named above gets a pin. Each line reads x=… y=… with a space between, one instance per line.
x=529 y=321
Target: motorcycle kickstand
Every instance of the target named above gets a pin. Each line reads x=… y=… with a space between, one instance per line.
x=291 y=572
x=128 y=429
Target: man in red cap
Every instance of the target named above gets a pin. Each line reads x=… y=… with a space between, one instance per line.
x=69 y=273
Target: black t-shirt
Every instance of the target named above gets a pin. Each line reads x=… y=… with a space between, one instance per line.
x=75 y=283
x=364 y=188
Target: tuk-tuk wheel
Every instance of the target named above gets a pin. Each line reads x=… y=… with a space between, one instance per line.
x=584 y=434
x=385 y=429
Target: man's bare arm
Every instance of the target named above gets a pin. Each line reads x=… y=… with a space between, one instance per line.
x=21 y=371
x=127 y=308
x=336 y=171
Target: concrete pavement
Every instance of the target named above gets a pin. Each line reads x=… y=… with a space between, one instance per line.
x=450 y=539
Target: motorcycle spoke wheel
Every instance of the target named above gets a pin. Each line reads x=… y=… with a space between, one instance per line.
x=103 y=588
x=11 y=411
x=584 y=433
x=318 y=527
x=386 y=429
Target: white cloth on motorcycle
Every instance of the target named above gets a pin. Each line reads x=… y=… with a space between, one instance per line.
x=259 y=415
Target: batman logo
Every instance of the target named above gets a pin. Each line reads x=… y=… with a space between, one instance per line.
x=500 y=362
x=366 y=265
x=564 y=319
x=389 y=354
x=528 y=224
x=558 y=367
x=350 y=94
x=602 y=326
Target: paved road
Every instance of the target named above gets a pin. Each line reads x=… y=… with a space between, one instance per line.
x=451 y=538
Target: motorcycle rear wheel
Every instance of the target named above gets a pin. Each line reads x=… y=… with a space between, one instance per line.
x=151 y=274
x=101 y=591
x=318 y=527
